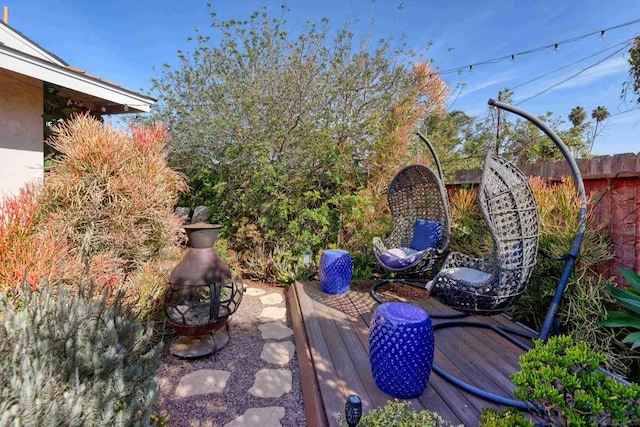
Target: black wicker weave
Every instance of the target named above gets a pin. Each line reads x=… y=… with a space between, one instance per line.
x=511 y=211
x=415 y=192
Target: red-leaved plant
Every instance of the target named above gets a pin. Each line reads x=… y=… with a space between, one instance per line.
x=28 y=252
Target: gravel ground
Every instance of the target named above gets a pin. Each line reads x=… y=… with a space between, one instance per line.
x=241 y=357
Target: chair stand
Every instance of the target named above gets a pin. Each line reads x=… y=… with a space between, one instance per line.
x=506 y=333
x=551 y=320
x=416 y=283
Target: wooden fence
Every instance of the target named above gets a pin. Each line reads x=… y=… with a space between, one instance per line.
x=615 y=181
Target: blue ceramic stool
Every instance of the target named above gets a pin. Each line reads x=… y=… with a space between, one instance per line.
x=401 y=349
x=335 y=271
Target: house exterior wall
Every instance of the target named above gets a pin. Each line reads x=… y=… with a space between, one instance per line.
x=21 y=131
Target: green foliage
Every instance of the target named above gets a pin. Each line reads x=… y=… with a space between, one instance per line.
x=362 y=264
x=632 y=86
x=508 y=417
x=563 y=377
x=57 y=109
x=584 y=300
x=279 y=132
x=399 y=414
x=458 y=137
x=469 y=232
x=629 y=299
x=74 y=359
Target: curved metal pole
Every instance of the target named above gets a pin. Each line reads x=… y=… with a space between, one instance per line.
x=483 y=394
x=577 y=240
x=433 y=153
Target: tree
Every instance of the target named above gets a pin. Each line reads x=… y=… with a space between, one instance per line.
x=600 y=114
x=277 y=132
x=632 y=84
x=577 y=116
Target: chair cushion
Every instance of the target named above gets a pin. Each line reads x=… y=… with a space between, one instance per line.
x=466 y=274
x=399 y=257
x=426 y=234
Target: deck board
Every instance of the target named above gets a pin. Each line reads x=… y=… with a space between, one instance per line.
x=331 y=333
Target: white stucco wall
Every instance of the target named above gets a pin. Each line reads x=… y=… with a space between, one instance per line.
x=21 y=133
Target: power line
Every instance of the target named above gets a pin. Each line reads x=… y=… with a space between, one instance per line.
x=571 y=64
x=571 y=76
x=554 y=46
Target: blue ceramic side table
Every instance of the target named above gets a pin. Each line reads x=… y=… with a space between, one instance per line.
x=336 y=269
x=401 y=348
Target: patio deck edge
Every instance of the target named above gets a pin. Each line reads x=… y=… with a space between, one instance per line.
x=313 y=403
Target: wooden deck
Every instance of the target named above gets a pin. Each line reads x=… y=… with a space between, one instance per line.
x=331 y=334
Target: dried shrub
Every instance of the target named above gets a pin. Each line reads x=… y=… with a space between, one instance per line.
x=111 y=194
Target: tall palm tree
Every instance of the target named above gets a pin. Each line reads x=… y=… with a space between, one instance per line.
x=599 y=114
x=577 y=116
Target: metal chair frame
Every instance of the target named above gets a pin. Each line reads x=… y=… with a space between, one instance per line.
x=550 y=321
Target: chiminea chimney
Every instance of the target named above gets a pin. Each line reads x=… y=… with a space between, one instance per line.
x=5 y=15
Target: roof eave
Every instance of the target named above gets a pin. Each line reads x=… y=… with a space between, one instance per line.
x=76 y=80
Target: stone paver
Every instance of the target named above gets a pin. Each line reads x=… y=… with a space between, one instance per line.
x=254 y=292
x=278 y=353
x=271 y=299
x=259 y=417
x=271 y=383
x=273 y=314
x=268 y=383
x=275 y=331
x=202 y=381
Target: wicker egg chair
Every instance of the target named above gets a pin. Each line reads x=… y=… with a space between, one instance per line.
x=491 y=284
x=420 y=225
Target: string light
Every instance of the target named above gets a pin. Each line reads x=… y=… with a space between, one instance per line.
x=556 y=49
x=603 y=35
x=470 y=69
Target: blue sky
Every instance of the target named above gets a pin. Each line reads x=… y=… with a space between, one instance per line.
x=127 y=41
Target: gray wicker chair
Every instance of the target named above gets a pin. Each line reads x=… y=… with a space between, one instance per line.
x=415 y=193
x=508 y=204
x=490 y=285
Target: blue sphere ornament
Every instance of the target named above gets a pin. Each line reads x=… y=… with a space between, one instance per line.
x=336 y=270
x=401 y=348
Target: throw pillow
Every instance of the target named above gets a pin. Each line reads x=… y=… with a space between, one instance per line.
x=426 y=234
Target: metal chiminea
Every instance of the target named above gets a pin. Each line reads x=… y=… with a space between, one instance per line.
x=201 y=295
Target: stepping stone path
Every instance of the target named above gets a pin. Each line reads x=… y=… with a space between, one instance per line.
x=273 y=382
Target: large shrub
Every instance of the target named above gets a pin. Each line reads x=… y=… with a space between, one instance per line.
x=110 y=194
x=563 y=378
x=399 y=414
x=278 y=131
x=74 y=359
